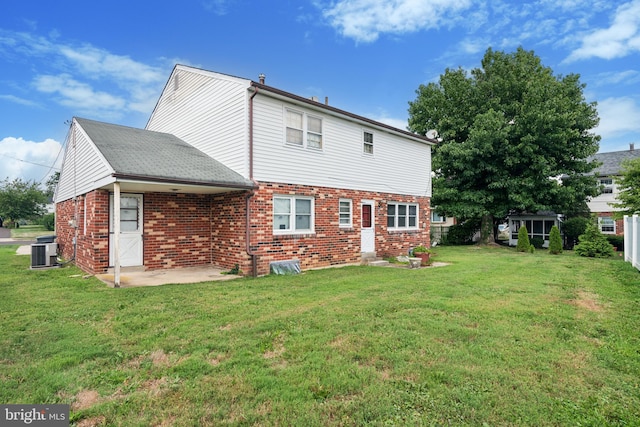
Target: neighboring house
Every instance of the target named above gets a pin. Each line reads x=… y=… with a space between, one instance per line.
x=440 y=225
x=231 y=172
x=606 y=173
x=538 y=226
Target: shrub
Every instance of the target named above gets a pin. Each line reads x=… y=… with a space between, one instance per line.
x=555 y=241
x=573 y=228
x=461 y=234
x=523 y=240
x=593 y=244
x=537 y=242
x=616 y=241
x=49 y=221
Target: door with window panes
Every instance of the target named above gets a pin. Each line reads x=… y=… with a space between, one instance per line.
x=130 y=230
x=367 y=227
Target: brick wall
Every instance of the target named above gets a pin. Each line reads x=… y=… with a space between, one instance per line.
x=177 y=230
x=330 y=244
x=92 y=252
x=182 y=230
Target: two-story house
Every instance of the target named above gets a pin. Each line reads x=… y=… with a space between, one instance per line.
x=232 y=172
x=610 y=168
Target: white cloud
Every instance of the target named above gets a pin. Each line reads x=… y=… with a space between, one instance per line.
x=91 y=80
x=619 y=40
x=29 y=160
x=618 y=116
x=17 y=100
x=365 y=20
x=78 y=95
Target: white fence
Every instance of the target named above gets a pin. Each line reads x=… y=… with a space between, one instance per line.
x=632 y=240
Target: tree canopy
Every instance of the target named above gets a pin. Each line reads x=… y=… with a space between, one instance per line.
x=629 y=186
x=21 y=199
x=514 y=138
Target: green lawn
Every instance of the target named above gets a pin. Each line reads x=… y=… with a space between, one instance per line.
x=29 y=232
x=495 y=338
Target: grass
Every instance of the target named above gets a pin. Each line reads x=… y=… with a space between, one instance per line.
x=495 y=338
x=26 y=232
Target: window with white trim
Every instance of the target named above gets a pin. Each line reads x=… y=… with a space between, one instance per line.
x=345 y=209
x=303 y=130
x=607 y=225
x=402 y=216
x=367 y=146
x=436 y=217
x=607 y=185
x=293 y=214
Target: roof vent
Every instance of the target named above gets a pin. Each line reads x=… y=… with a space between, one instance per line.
x=632 y=147
x=314 y=98
x=261 y=77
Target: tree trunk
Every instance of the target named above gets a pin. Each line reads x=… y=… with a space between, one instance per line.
x=486 y=230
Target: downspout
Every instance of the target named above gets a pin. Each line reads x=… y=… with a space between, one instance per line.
x=253 y=255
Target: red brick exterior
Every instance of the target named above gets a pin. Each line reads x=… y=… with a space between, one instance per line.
x=182 y=230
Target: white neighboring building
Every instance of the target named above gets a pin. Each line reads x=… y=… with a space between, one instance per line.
x=606 y=173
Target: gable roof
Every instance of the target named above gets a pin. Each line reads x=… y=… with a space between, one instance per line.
x=141 y=154
x=612 y=161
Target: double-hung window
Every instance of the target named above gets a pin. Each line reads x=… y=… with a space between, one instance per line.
x=367 y=146
x=607 y=224
x=437 y=218
x=293 y=214
x=607 y=185
x=402 y=216
x=346 y=213
x=303 y=130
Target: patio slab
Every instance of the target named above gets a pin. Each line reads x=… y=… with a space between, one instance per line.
x=130 y=278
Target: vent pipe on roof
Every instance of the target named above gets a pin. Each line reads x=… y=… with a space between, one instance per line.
x=326 y=100
x=261 y=77
x=632 y=147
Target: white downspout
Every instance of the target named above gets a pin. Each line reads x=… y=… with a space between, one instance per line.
x=116 y=234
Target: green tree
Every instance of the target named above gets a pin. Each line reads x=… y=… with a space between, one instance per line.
x=629 y=185
x=21 y=199
x=555 y=241
x=508 y=131
x=523 y=240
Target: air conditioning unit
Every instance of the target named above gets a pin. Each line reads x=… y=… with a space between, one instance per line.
x=44 y=255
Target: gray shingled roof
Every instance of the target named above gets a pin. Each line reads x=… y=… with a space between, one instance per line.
x=611 y=162
x=161 y=156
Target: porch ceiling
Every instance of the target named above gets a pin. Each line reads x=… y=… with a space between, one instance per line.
x=172 y=187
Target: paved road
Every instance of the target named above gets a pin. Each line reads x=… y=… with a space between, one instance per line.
x=5 y=238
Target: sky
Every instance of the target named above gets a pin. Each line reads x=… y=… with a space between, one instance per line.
x=109 y=60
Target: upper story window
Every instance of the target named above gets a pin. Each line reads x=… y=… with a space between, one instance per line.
x=303 y=130
x=346 y=213
x=367 y=146
x=402 y=216
x=607 y=185
x=293 y=214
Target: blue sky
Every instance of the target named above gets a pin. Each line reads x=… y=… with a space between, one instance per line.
x=109 y=60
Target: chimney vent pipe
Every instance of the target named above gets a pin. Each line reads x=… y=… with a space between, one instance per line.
x=326 y=100
x=261 y=77
x=632 y=147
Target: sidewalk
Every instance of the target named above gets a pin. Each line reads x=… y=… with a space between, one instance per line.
x=5 y=238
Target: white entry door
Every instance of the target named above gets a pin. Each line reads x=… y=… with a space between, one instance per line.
x=367 y=227
x=130 y=230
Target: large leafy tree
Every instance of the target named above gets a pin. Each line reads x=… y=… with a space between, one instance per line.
x=514 y=138
x=629 y=186
x=21 y=199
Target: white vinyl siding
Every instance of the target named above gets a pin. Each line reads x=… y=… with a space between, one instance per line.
x=400 y=165
x=293 y=214
x=209 y=111
x=83 y=166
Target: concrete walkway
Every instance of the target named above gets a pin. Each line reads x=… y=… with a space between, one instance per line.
x=135 y=277
x=5 y=238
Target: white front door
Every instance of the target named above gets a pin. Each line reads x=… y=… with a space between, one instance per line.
x=130 y=230
x=367 y=227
